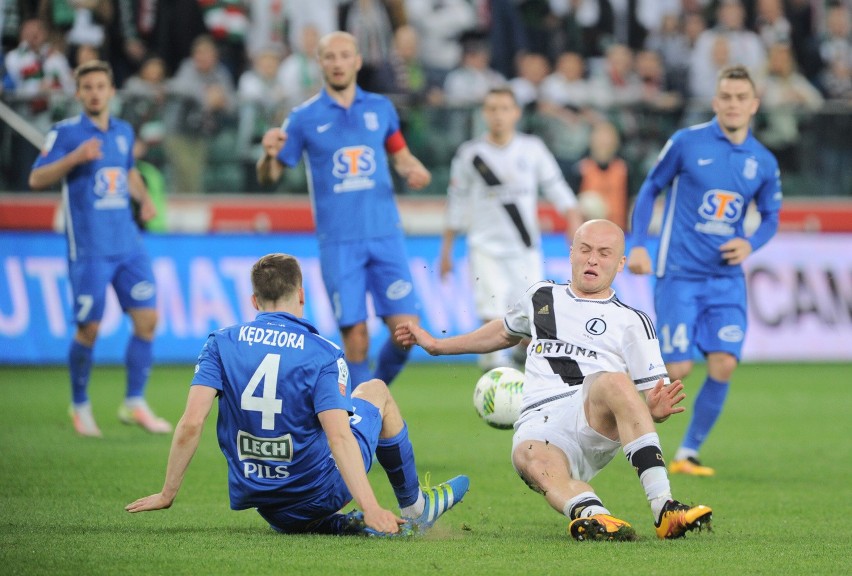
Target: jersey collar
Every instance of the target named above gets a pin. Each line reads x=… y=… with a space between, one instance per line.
x=573 y=295
x=329 y=101
x=717 y=131
x=88 y=124
x=289 y=317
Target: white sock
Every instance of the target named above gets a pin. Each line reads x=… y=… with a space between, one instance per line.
x=684 y=453
x=414 y=510
x=586 y=504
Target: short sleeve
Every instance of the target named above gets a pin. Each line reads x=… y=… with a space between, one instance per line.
x=333 y=389
x=208 y=369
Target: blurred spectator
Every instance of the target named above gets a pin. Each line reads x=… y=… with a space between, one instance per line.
x=499 y=22
x=410 y=85
x=632 y=20
x=321 y=14
x=35 y=68
x=533 y=69
x=674 y=42
x=473 y=78
x=204 y=102
x=132 y=38
x=267 y=24
x=440 y=25
x=601 y=177
x=771 y=24
x=373 y=23
x=179 y=23
x=143 y=105
x=702 y=77
x=80 y=21
x=622 y=85
x=262 y=103
x=260 y=84
x=85 y=53
x=835 y=50
x=299 y=74
x=567 y=86
x=804 y=17
x=744 y=46
x=656 y=92
x=586 y=26
x=786 y=96
x=227 y=22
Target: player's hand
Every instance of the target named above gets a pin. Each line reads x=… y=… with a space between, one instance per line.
x=273 y=141
x=663 y=400
x=89 y=150
x=638 y=261
x=418 y=177
x=153 y=502
x=735 y=250
x=446 y=265
x=147 y=210
x=408 y=334
x=383 y=520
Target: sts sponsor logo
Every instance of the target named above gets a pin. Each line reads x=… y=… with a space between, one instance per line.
x=354 y=165
x=111 y=188
x=719 y=209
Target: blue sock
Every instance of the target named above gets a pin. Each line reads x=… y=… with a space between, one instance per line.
x=80 y=366
x=359 y=372
x=138 y=359
x=391 y=360
x=705 y=412
x=396 y=455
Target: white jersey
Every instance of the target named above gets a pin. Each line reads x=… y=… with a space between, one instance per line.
x=573 y=337
x=493 y=193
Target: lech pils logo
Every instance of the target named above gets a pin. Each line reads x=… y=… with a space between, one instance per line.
x=273 y=449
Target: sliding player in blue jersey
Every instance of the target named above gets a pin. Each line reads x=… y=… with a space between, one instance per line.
x=92 y=155
x=297 y=440
x=713 y=172
x=348 y=139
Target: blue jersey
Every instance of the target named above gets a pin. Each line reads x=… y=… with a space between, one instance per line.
x=711 y=183
x=274 y=375
x=96 y=195
x=347 y=162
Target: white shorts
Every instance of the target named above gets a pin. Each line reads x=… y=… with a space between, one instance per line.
x=562 y=423
x=498 y=282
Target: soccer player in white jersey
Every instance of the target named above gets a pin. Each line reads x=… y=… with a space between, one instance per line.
x=493 y=198
x=589 y=358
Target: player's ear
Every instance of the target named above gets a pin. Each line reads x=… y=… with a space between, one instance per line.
x=301 y=296
x=254 y=303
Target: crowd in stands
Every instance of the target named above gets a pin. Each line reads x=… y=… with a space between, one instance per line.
x=186 y=69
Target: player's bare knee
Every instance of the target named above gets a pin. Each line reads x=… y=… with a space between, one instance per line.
x=375 y=392
x=356 y=342
x=87 y=333
x=144 y=322
x=533 y=461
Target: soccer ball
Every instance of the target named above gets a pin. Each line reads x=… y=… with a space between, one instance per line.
x=497 y=396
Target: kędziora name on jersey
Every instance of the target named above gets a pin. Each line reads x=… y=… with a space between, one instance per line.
x=256 y=335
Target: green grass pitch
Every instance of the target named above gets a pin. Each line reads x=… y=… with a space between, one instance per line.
x=781 y=498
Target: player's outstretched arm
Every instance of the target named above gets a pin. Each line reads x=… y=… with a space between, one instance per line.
x=347 y=456
x=663 y=400
x=487 y=338
x=184 y=444
x=268 y=168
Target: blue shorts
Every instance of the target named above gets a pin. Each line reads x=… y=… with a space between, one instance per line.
x=378 y=266
x=315 y=515
x=131 y=276
x=706 y=314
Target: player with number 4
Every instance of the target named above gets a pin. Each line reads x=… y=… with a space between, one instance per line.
x=297 y=440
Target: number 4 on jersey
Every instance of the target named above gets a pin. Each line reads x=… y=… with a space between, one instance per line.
x=268 y=405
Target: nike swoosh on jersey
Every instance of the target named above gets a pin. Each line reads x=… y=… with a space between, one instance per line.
x=705 y=161
x=322 y=128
